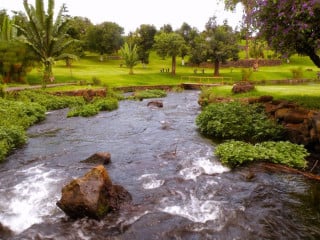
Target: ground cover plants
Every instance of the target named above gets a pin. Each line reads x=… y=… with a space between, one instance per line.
x=236 y=153
x=250 y=134
x=236 y=120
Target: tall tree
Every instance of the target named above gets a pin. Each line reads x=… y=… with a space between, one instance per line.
x=130 y=56
x=46 y=37
x=221 y=42
x=189 y=34
x=290 y=26
x=105 y=38
x=143 y=37
x=248 y=6
x=169 y=44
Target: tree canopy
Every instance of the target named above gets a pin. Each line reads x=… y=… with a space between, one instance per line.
x=169 y=44
x=105 y=38
x=290 y=26
x=46 y=37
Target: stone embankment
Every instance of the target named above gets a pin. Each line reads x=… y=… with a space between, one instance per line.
x=302 y=125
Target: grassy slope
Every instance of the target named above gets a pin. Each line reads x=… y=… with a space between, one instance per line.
x=110 y=73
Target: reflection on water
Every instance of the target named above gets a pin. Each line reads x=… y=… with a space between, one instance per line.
x=179 y=188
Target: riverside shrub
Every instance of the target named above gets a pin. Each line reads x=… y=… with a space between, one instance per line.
x=15 y=118
x=234 y=153
x=149 y=93
x=91 y=109
x=47 y=100
x=239 y=121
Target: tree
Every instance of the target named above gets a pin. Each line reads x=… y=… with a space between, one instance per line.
x=167 y=28
x=189 y=34
x=290 y=25
x=169 y=44
x=15 y=57
x=143 y=37
x=221 y=43
x=129 y=53
x=249 y=6
x=198 y=50
x=105 y=38
x=46 y=37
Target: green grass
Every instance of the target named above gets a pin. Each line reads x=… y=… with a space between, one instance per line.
x=307 y=95
x=111 y=74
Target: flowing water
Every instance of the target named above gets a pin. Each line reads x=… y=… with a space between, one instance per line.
x=179 y=188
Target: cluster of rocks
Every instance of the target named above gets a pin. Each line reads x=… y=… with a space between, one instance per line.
x=302 y=125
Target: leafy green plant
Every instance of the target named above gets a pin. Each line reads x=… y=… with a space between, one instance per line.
x=106 y=104
x=234 y=153
x=49 y=101
x=246 y=74
x=297 y=73
x=236 y=120
x=149 y=93
x=91 y=109
x=86 y=110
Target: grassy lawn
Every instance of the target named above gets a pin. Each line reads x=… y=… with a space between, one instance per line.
x=110 y=73
x=308 y=95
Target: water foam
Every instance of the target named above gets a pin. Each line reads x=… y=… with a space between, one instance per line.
x=194 y=209
x=150 y=181
x=202 y=166
x=28 y=202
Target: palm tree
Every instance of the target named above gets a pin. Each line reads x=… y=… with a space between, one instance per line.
x=130 y=55
x=46 y=37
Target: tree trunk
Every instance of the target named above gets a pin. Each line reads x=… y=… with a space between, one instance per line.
x=216 y=68
x=314 y=58
x=47 y=74
x=174 y=63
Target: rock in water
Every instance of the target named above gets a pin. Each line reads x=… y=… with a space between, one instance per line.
x=99 y=158
x=92 y=195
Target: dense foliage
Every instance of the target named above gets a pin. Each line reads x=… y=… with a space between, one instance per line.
x=149 y=93
x=15 y=118
x=91 y=109
x=235 y=120
x=169 y=44
x=290 y=26
x=234 y=153
x=47 y=100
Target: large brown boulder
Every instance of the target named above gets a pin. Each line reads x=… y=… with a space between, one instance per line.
x=92 y=195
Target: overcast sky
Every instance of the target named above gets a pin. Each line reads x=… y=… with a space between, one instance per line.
x=130 y=14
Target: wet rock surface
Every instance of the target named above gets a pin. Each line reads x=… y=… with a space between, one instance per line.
x=92 y=195
x=99 y=158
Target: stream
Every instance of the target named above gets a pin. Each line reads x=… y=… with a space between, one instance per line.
x=179 y=188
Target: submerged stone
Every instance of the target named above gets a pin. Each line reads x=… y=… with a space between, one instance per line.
x=99 y=158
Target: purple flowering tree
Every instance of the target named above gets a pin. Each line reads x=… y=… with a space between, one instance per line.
x=290 y=26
